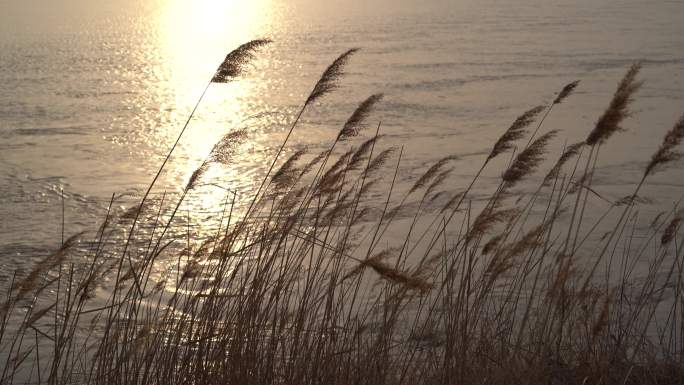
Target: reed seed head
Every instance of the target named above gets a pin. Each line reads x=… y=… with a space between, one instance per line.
x=358 y=118
x=361 y=152
x=666 y=152
x=377 y=162
x=568 y=154
x=671 y=229
x=528 y=160
x=234 y=63
x=611 y=120
x=328 y=81
x=226 y=148
x=566 y=91
x=432 y=172
x=515 y=131
x=287 y=174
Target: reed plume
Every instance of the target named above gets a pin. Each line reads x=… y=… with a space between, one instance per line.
x=528 y=160
x=499 y=264
x=46 y=264
x=438 y=181
x=528 y=241
x=630 y=200
x=222 y=153
x=437 y=195
x=235 y=62
x=492 y=244
x=568 y=154
x=666 y=152
x=396 y=276
x=325 y=84
x=328 y=81
x=671 y=229
x=357 y=120
x=504 y=259
x=433 y=171
x=566 y=91
x=453 y=201
x=39 y=314
x=231 y=66
x=379 y=256
x=312 y=163
x=196 y=175
x=618 y=110
x=566 y=271
x=131 y=271
x=226 y=148
x=135 y=210
x=287 y=174
x=380 y=160
x=377 y=264
x=514 y=132
x=487 y=219
x=360 y=154
x=602 y=320
x=334 y=173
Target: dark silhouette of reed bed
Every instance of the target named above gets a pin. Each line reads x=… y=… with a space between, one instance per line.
x=299 y=286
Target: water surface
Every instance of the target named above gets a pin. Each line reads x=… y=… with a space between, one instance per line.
x=93 y=94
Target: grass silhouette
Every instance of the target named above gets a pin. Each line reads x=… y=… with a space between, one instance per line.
x=295 y=288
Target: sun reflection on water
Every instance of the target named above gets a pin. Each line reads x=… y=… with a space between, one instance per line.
x=194 y=37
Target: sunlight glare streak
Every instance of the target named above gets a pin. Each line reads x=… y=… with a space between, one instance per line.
x=196 y=36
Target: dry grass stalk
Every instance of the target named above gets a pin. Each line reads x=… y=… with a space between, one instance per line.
x=268 y=299
x=580 y=183
x=656 y=219
x=40 y=314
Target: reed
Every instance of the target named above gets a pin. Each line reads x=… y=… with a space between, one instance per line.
x=289 y=288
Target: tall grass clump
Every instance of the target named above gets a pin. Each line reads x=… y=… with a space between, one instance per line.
x=300 y=282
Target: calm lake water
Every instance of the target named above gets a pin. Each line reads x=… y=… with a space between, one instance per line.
x=93 y=94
